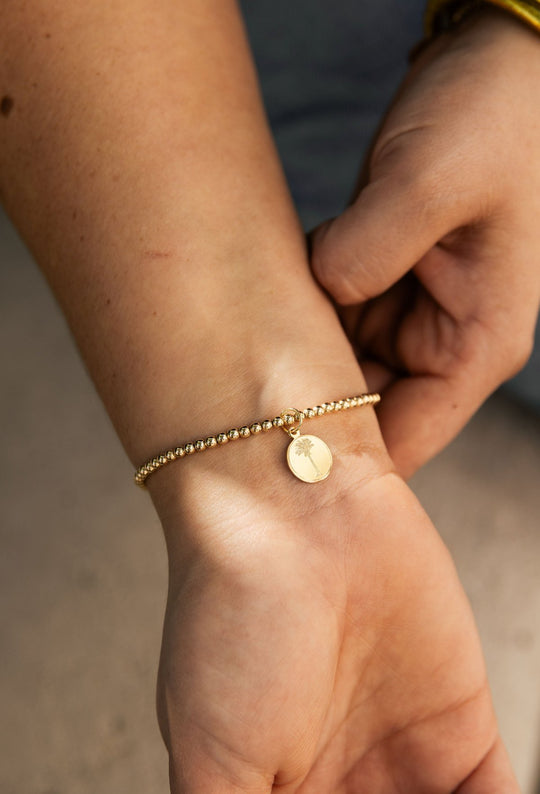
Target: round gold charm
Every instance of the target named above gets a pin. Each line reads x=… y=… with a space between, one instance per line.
x=309 y=458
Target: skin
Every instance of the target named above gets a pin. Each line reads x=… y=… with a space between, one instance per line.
x=437 y=259
x=316 y=637
x=319 y=643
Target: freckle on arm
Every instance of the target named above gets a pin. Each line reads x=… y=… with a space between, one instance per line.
x=6 y=105
x=155 y=254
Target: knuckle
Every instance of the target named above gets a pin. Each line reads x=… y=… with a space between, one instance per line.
x=430 y=193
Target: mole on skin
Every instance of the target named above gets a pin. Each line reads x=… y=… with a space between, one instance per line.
x=6 y=105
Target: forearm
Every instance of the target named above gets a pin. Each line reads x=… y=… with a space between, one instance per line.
x=137 y=163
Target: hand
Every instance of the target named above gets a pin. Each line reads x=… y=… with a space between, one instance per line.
x=317 y=640
x=312 y=633
x=440 y=251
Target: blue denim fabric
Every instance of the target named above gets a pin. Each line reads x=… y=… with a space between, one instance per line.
x=328 y=71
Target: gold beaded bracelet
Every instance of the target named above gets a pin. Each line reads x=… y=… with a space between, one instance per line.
x=308 y=457
x=442 y=14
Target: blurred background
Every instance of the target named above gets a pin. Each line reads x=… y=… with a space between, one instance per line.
x=82 y=560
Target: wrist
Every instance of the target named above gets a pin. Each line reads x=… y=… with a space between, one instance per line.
x=255 y=335
x=246 y=483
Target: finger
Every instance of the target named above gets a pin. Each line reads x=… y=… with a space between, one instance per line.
x=493 y=776
x=378 y=377
x=395 y=220
x=420 y=415
x=377 y=333
x=421 y=412
x=444 y=368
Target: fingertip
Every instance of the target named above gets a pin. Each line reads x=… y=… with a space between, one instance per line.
x=333 y=261
x=320 y=254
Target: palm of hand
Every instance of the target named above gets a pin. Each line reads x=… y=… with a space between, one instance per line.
x=343 y=662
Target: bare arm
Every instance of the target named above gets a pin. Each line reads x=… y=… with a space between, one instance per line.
x=308 y=636
x=136 y=160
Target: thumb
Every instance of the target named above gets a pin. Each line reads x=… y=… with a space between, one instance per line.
x=393 y=222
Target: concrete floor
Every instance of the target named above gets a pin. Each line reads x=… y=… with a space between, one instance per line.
x=83 y=573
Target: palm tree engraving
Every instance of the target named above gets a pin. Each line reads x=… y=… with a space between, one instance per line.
x=303 y=447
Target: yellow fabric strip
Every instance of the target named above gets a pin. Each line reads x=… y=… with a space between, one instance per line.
x=441 y=13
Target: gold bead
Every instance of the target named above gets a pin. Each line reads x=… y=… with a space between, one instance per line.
x=283 y=420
